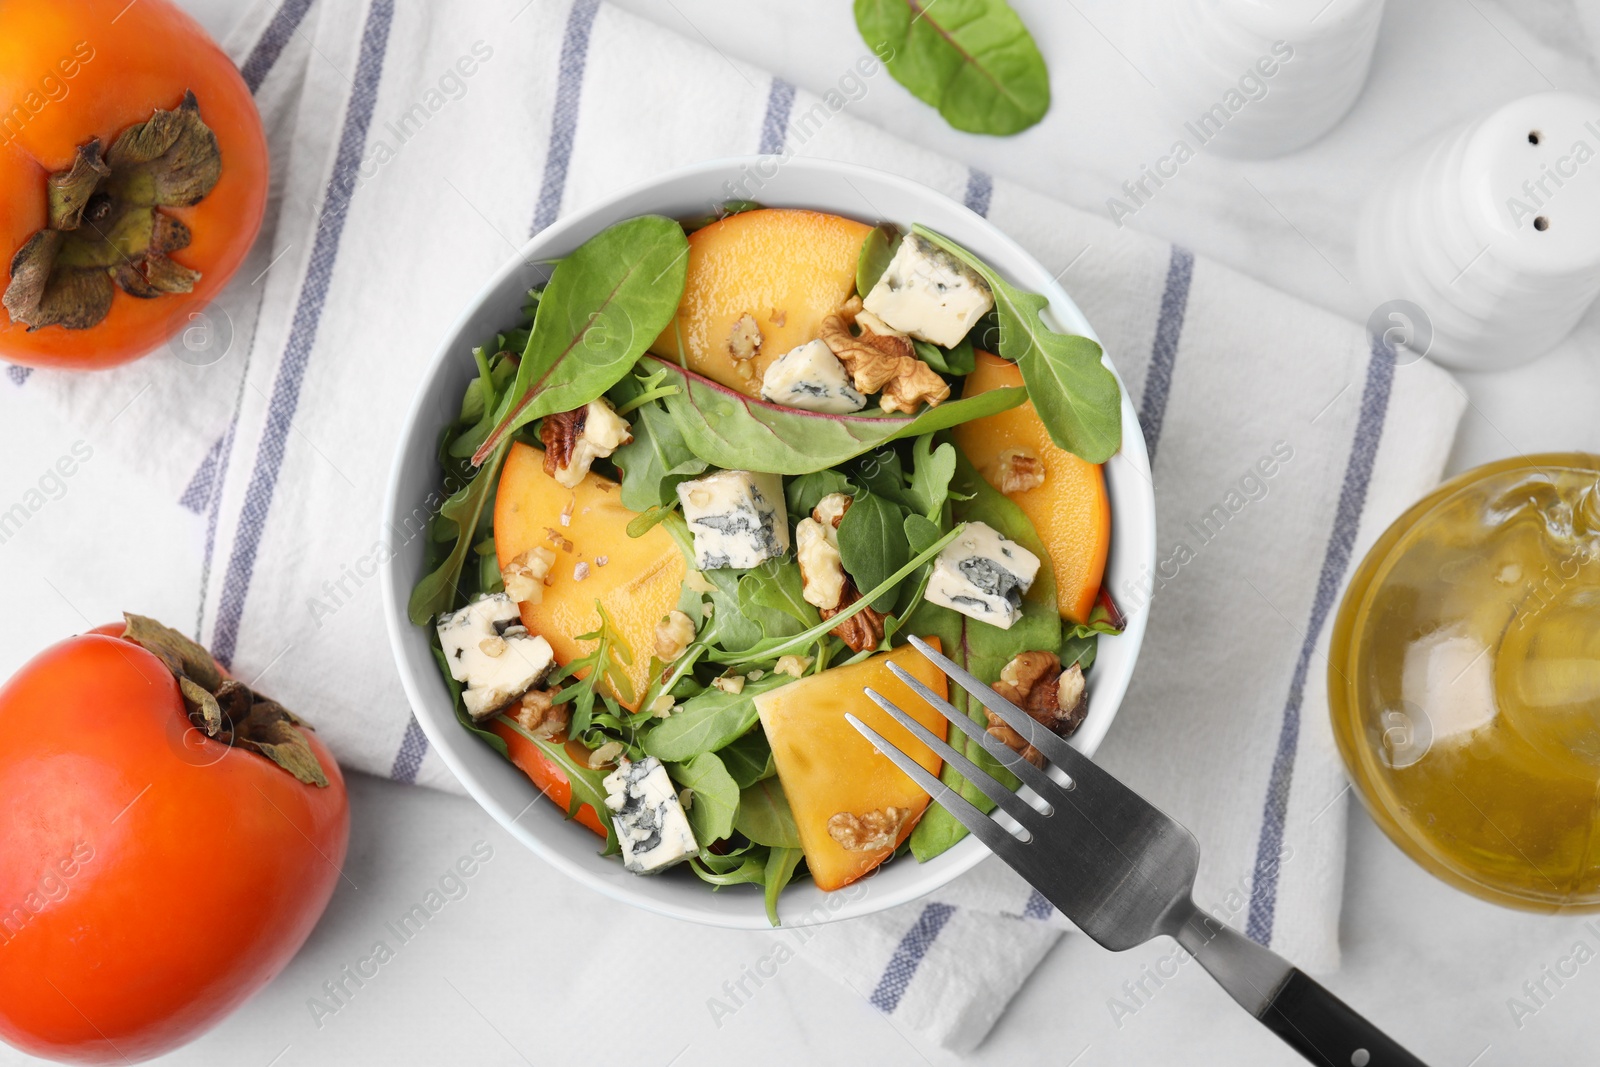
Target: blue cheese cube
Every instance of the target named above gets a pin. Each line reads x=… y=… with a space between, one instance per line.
x=492 y=654
x=929 y=293
x=811 y=377
x=738 y=518
x=651 y=826
x=983 y=576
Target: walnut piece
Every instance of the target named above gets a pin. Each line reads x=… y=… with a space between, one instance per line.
x=1016 y=470
x=574 y=439
x=885 y=362
x=744 y=340
x=606 y=754
x=861 y=631
x=540 y=715
x=871 y=831
x=674 y=633
x=793 y=666
x=1035 y=682
x=729 y=683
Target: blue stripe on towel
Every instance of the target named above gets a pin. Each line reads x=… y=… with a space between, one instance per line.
x=303 y=331
x=564 y=114
x=1038 y=906
x=908 y=955
x=259 y=63
x=1164 y=353
x=980 y=188
x=775 y=126
x=198 y=494
x=18 y=375
x=1352 y=499
x=413 y=747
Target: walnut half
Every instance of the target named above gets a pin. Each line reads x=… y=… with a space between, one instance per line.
x=1055 y=698
x=871 y=831
x=885 y=362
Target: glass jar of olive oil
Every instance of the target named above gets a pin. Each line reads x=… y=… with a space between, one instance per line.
x=1464 y=680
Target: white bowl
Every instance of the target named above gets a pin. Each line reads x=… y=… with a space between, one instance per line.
x=502 y=789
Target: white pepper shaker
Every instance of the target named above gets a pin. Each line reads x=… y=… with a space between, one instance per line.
x=1492 y=229
x=1259 y=78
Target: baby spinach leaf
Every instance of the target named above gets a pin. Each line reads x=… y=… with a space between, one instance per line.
x=984 y=649
x=707 y=722
x=974 y=60
x=931 y=471
x=1072 y=389
x=872 y=545
x=437 y=591
x=714 y=799
x=738 y=432
x=764 y=816
x=882 y=472
x=921 y=532
x=1079 y=649
x=657 y=458
x=958 y=360
x=781 y=863
x=605 y=304
x=804 y=492
x=748 y=759
x=876 y=252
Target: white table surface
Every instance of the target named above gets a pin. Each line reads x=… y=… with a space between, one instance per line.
x=1434 y=966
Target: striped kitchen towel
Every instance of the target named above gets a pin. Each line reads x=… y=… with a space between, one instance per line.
x=417 y=146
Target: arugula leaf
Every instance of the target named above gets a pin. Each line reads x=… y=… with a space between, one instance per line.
x=748 y=759
x=482 y=396
x=781 y=863
x=581 y=678
x=804 y=492
x=738 y=432
x=588 y=785
x=714 y=797
x=872 y=545
x=1074 y=392
x=972 y=59
x=876 y=252
x=773 y=596
x=707 y=722
x=735 y=868
x=961 y=359
x=604 y=305
x=437 y=591
x=764 y=816
x=657 y=458
x=984 y=649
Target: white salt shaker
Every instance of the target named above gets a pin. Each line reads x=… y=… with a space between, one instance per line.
x=1259 y=78
x=1492 y=230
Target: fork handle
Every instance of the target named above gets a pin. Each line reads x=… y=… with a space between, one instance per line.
x=1326 y=1030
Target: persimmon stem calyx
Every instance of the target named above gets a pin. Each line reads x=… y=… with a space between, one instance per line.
x=106 y=229
x=225 y=709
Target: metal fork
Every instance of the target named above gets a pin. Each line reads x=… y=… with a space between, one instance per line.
x=1121 y=869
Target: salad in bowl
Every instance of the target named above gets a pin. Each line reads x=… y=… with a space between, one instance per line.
x=701 y=488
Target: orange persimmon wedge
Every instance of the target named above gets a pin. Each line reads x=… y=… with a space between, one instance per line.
x=1070 y=509
x=785 y=268
x=826 y=767
x=549 y=778
x=637 y=579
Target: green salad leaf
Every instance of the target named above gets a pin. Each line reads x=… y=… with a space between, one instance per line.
x=588 y=784
x=958 y=360
x=707 y=722
x=658 y=457
x=604 y=305
x=772 y=595
x=465 y=509
x=781 y=863
x=748 y=759
x=713 y=798
x=1074 y=392
x=803 y=493
x=872 y=545
x=974 y=60
x=738 y=432
x=764 y=816
x=876 y=252
x=983 y=649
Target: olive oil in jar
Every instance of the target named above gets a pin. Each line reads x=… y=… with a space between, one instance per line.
x=1464 y=682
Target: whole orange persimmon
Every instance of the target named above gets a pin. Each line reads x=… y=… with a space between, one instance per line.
x=170 y=838
x=133 y=178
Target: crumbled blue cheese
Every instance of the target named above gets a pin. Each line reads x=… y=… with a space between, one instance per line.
x=983 y=576
x=650 y=822
x=929 y=293
x=738 y=518
x=492 y=654
x=811 y=377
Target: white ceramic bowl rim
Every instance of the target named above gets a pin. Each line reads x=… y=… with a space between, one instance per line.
x=501 y=789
